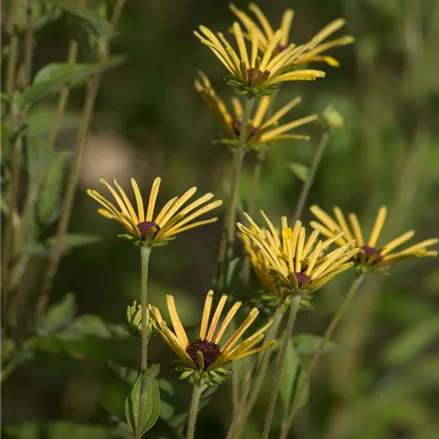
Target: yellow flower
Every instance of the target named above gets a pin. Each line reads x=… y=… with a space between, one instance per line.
x=205 y=357
x=261 y=129
x=149 y=229
x=310 y=52
x=370 y=256
x=296 y=265
x=251 y=72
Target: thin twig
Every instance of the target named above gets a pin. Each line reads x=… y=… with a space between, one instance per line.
x=311 y=175
x=294 y=308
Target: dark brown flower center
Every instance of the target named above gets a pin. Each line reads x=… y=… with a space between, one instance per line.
x=148 y=229
x=237 y=124
x=210 y=351
x=303 y=279
x=372 y=253
x=250 y=73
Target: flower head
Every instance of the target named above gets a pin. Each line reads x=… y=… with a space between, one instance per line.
x=261 y=128
x=370 y=256
x=254 y=73
x=296 y=265
x=145 y=228
x=311 y=51
x=205 y=357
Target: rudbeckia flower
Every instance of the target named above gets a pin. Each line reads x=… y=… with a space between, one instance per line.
x=261 y=129
x=205 y=357
x=312 y=51
x=370 y=255
x=251 y=72
x=145 y=228
x=297 y=265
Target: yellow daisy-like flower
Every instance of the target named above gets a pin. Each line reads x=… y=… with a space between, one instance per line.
x=143 y=227
x=370 y=256
x=312 y=51
x=261 y=129
x=297 y=265
x=205 y=357
x=251 y=72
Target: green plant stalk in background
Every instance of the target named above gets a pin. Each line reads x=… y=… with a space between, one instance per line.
x=245 y=406
x=63 y=224
x=288 y=420
x=228 y=232
x=193 y=410
x=145 y=251
x=311 y=175
x=294 y=308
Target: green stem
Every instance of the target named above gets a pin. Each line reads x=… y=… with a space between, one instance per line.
x=311 y=175
x=245 y=407
x=294 y=308
x=228 y=233
x=286 y=425
x=193 y=411
x=145 y=252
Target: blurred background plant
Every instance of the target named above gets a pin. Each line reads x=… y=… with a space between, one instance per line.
x=380 y=379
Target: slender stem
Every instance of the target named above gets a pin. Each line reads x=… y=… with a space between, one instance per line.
x=145 y=252
x=74 y=175
x=228 y=232
x=286 y=425
x=294 y=308
x=235 y=378
x=245 y=407
x=193 y=411
x=311 y=175
x=13 y=47
x=64 y=95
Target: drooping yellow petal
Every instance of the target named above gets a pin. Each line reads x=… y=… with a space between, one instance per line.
x=176 y=322
x=280 y=113
x=342 y=223
x=127 y=202
x=397 y=242
x=116 y=196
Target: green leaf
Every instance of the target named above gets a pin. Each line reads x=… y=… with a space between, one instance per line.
x=56 y=430
x=71 y=241
x=53 y=77
x=57 y=316
x=232 y=275
x=292 y=377
x=151 y=406
x=412 y=341
x=307 y=344
x=300 y=171
x=49 y=195
x=91 y=20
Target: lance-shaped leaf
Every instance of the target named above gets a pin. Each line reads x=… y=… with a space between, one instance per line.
x=151 y=404
x=53 y=77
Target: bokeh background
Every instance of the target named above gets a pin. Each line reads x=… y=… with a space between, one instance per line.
x=149 y=121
